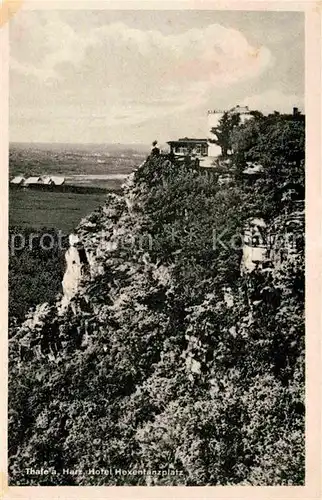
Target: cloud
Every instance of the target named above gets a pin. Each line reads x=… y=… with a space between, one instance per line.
x=116 y=77
x=274 y=100
x=125 y=61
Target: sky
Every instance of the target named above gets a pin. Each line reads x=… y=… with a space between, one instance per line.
x=135 y=76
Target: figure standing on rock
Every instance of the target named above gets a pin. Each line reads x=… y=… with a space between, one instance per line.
x=155 y=151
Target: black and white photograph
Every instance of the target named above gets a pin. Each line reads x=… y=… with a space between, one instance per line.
x=156 y=247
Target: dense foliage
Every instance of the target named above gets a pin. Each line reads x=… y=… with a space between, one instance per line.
x=174 y=362
x=36 y=267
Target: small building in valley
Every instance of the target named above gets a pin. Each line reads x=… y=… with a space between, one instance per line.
x=32 y=181
x=58 y=181
x=47 y=181
x=18 y=181
x=52 y=180
x=35 y=181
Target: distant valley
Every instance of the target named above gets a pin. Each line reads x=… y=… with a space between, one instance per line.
x=89 y=165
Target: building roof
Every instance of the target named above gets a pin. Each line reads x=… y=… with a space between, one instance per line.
x=33 y=180
x=236 y=109
x=58 y=181
x=216 y=111
x=17 y=180
x=46 y=180
x=188 y=140
x=240 y=109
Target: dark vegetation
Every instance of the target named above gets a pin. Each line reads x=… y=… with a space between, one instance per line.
x=36 y=267
x=159 y=370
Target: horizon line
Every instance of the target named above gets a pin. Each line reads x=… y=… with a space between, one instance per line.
x=81 y=143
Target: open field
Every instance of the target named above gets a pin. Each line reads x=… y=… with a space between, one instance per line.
x=62 y=211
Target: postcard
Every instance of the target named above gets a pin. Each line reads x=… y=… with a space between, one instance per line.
x=161 y=249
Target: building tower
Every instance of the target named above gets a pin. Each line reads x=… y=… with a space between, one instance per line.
x=214 y=118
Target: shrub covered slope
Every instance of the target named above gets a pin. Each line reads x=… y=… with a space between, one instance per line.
x=167 y=358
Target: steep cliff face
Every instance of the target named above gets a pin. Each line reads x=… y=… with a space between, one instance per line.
x=94 y=252
x=269 y=245
x=160 y=355
x=98 y=235
x=74 y=271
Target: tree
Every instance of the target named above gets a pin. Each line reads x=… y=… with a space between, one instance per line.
x=277 y=143
x=223 y=132
x=275 y=140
